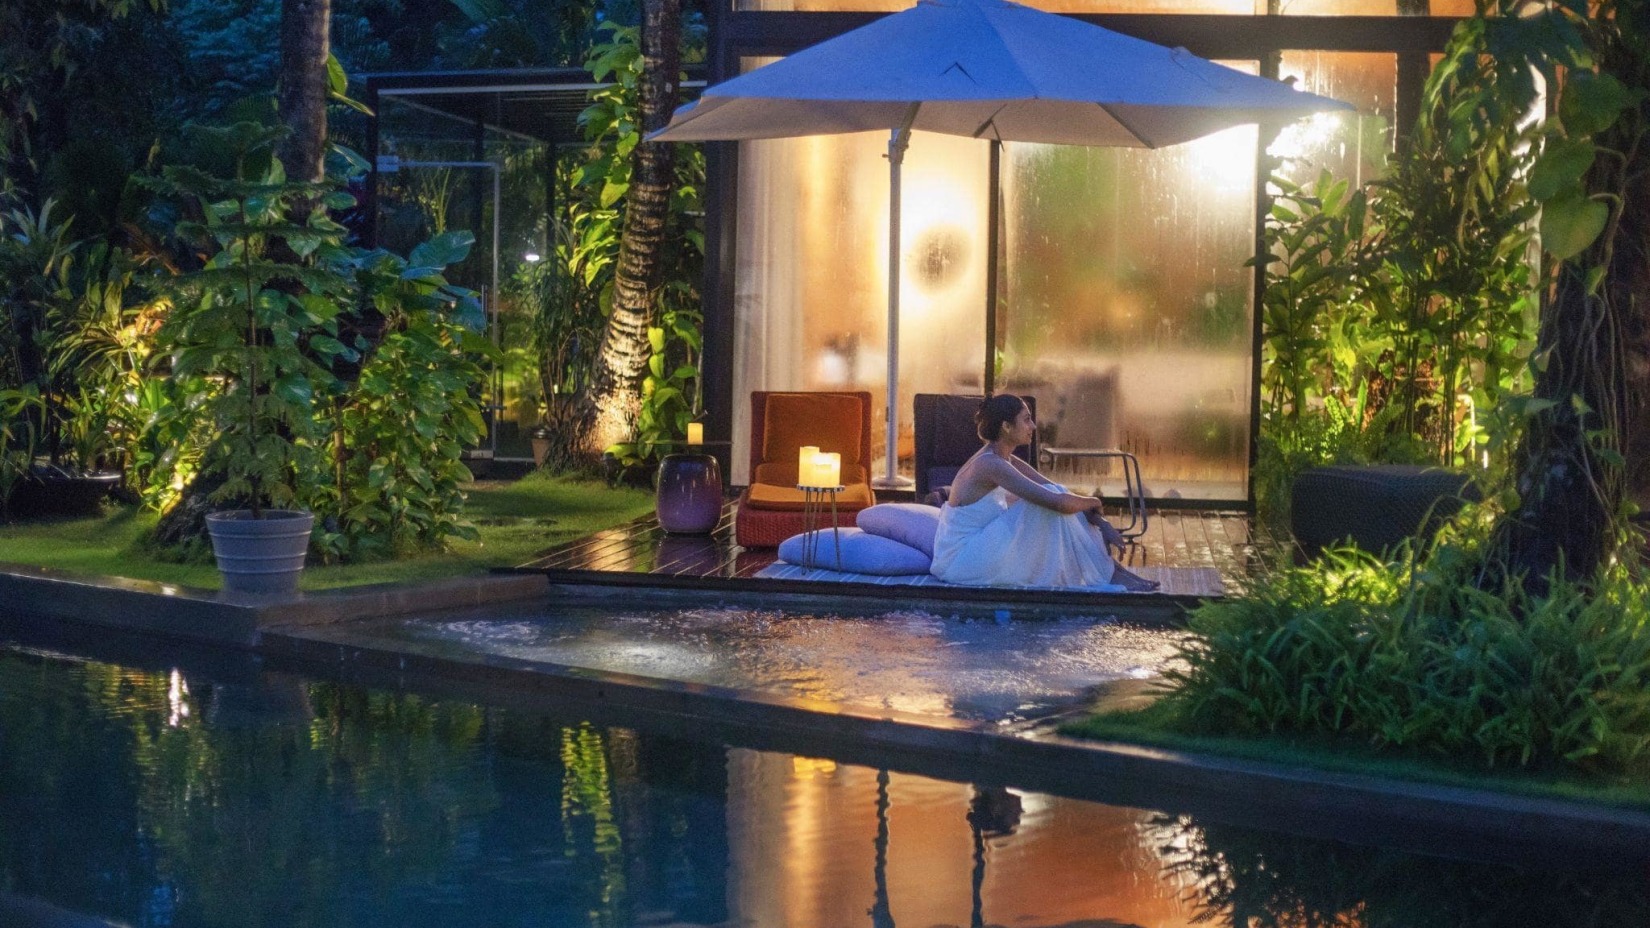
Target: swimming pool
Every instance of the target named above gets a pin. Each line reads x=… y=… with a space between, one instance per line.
x=220 y=793
x=918 y=662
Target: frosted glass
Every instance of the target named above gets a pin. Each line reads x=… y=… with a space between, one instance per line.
x=1126 y=307
x=811 y=281
x=1353 y=146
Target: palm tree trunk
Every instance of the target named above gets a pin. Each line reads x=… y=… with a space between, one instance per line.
x=607 y=413
x=1571 y=475
x=305 y=44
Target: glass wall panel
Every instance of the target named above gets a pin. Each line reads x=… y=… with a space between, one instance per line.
x=1229 y=7
x=1372 y=7
x=811 y=284
x=1059 y=6
x=430 y=194
x=1351 y=146
x=1127 y=309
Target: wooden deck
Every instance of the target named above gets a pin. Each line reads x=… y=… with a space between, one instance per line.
x=1227 y=545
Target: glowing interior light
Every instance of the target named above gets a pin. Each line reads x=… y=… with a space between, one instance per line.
x=532 y=257
x=1306 y=136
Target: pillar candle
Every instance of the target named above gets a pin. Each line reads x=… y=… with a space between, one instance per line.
x=805 y=465
x=828 y=470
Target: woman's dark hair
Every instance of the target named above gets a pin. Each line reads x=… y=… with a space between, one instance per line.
x=996 y=412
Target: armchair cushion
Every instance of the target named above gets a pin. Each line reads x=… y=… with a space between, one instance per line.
x=862 y=553
x=832 y=421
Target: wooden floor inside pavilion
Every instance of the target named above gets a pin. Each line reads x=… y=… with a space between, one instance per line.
x=1222 y=547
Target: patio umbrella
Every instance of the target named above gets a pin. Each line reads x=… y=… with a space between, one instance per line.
x=984 y=69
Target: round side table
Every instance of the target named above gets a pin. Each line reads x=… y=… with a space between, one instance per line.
x=690 y=493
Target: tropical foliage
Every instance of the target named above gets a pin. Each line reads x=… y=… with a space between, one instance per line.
x=1425 y=657
x=402 y=426
x=253 y=331
x=578 y=293
x=1397 y=315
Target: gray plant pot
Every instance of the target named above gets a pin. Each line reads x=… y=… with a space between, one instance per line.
x=260 y=555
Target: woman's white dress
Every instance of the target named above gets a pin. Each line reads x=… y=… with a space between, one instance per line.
x=995 y=542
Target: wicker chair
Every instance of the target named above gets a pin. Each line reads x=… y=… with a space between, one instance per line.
x=1375 y=506
x=946 y=438
x=770 y=508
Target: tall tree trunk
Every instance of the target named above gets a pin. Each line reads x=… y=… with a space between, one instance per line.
x=607 y=413
x=1597 y=369
x=305 y=44
x=302 y=102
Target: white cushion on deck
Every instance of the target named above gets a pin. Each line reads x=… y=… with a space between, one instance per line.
x=911 y=524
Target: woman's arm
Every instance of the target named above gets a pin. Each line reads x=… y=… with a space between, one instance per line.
x=1007 y=475
x=1029 y=471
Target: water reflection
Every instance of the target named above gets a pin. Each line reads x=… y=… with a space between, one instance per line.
x=181 y=799
x=1243 y=877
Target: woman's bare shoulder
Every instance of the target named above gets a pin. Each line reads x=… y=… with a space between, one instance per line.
x=980 y=475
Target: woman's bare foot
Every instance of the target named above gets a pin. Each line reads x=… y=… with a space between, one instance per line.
x=1132 y=582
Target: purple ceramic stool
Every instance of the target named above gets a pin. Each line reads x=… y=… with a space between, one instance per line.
x=690 y=494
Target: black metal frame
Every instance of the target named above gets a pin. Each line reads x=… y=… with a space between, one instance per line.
x=736 y=34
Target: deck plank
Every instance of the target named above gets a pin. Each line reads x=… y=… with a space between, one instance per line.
x=1224 y=547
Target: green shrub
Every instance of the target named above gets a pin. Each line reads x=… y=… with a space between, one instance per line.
x=403 y=424
x=1418 y=655
x=311 y=373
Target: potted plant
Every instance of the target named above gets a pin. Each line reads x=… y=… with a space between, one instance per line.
x=251 y=335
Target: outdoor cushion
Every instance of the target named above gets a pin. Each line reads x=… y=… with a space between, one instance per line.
x=862 y=553
x=769 y=496
x=1375 y=506
x=832 y=421
x=910 y=524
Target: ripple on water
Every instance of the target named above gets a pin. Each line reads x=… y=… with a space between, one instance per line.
x=908 y=660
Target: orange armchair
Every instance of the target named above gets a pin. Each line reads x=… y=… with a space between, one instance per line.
x=770 y=509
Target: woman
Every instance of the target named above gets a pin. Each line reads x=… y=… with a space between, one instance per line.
x=1007 y=525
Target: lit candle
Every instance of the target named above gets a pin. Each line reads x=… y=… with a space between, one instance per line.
x=805 y=465
x=828 y=470
x=696 y=433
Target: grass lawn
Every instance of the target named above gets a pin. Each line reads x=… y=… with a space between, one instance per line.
x=516 y=521
x=1154 y=727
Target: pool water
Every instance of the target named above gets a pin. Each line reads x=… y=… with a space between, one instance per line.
x=240 y=796
x=980 y=668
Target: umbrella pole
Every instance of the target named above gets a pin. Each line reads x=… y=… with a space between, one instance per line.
x=898 y=141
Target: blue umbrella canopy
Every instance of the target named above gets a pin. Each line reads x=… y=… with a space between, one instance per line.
x=991 y=69
x=986 y=69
